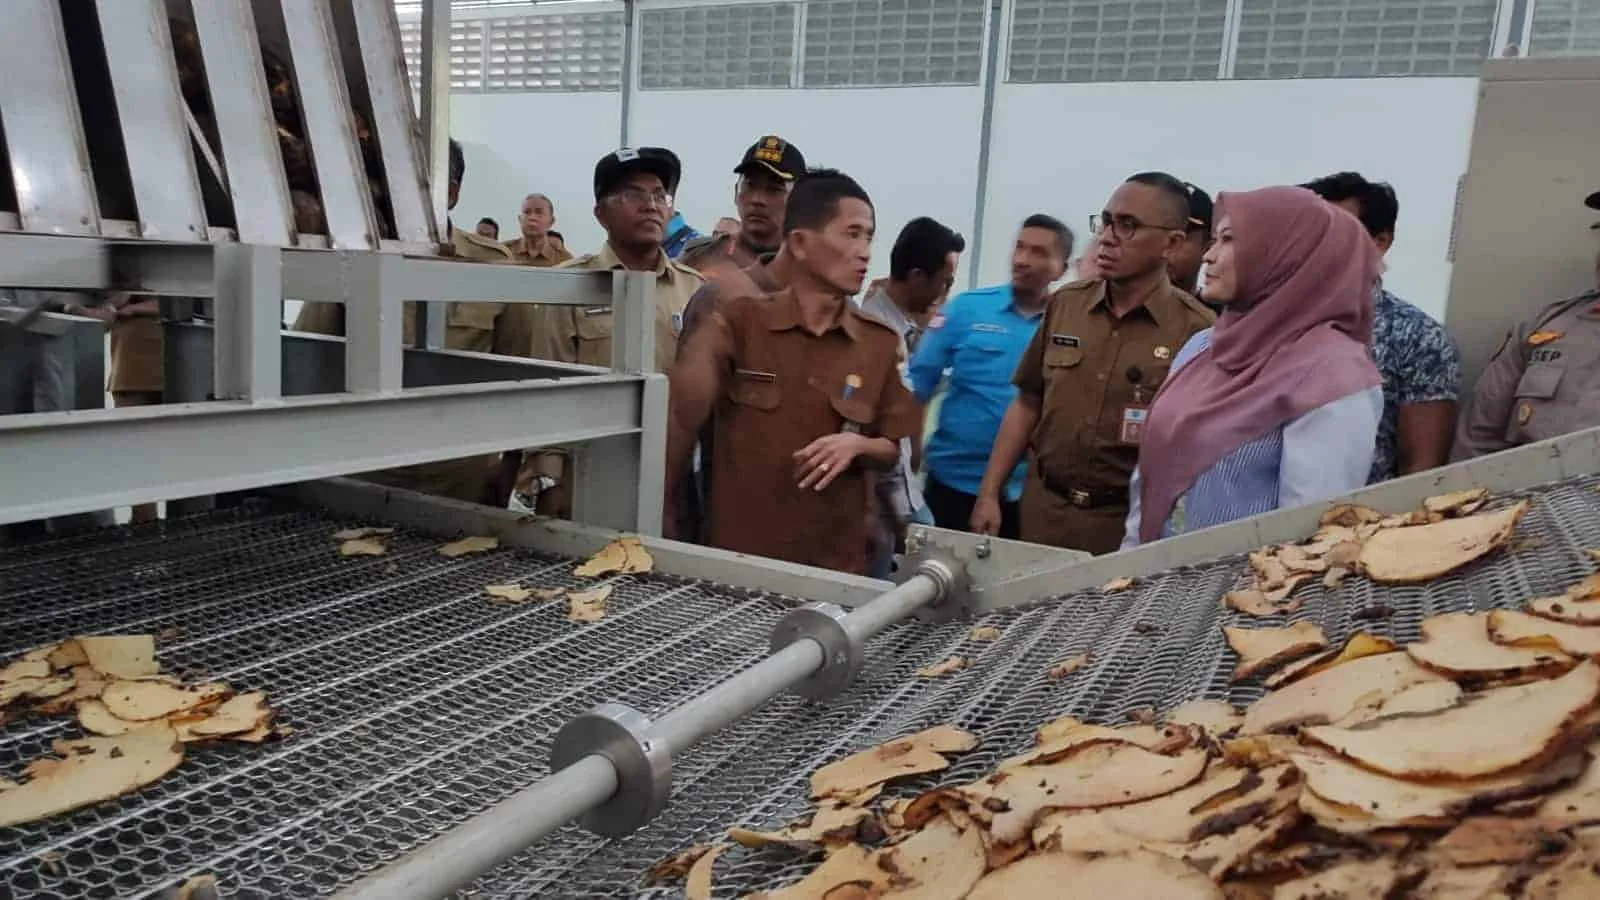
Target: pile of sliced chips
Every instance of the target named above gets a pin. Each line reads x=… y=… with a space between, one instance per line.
x=1458 y=767
x=139 y=719
x=1440 y=537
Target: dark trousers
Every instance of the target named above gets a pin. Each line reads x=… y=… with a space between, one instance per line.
x=952 y=509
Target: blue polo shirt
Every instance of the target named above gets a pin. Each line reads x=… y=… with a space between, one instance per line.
x=979 y=337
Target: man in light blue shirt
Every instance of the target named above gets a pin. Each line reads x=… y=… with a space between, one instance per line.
x=979 y=337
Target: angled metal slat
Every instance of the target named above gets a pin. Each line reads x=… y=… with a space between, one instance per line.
x=330 y=125
x=245 y=124
x=44 y=132
x=378 y=32
x=155 y=132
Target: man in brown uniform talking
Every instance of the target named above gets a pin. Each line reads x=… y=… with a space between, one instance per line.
x=803 y=392
x=1086 y=381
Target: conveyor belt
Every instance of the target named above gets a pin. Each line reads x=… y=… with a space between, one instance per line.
x=416 y=702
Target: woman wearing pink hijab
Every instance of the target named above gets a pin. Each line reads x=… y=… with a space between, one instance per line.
x=1277 y=405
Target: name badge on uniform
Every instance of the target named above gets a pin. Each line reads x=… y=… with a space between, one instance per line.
x=988 y=328
x=753 y=375
x=1133 y=419
x=597 y=310
x=1064 y=340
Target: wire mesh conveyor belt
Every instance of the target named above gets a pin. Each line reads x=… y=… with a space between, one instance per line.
x=417 y=703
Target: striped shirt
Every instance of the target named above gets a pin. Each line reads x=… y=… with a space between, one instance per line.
x=1324 y=453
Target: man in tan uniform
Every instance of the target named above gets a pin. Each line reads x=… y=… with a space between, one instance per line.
x=1542 y=381
x=633 y=191
x=137 y=374
x=535 y=246
x=1087 y=379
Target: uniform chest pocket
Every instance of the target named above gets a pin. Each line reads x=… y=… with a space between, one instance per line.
x=594 y=323
x=1062 y=357
x=854 y=410
x=755 y=393
x=1539 y=382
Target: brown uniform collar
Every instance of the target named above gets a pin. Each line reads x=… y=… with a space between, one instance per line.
x=1165 y=305
x=782 y=312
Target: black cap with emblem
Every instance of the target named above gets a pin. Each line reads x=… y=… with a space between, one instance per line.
x=775 y=156
x=1201 y=209
x=618 y=164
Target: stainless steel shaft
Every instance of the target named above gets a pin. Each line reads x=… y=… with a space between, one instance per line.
x=457 y=858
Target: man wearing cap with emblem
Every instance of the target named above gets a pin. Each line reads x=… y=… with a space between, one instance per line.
x=633 y=191
x=1542 y=381
x=1086 y=381
x=733 y=262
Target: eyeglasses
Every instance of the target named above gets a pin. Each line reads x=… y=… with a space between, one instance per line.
x=640 y=197
x=1124 y=227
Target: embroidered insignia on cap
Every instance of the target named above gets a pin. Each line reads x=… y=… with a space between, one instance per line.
x=1163 y=352
x=1544 y=337
x=627 y=154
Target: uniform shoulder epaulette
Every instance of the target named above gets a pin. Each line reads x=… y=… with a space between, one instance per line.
x=1078 y=284
x=577 y=262
x=871 y=318
x=485 y=244
x=1562 y=306
x=686 y=268
x=703 y=243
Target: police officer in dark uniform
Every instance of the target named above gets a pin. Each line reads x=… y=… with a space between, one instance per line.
x=1542 y=381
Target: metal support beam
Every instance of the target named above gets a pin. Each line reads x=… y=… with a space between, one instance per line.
x=436 y=107
x=325 y=107
x=630 y=64
x=329 y=276
x=374 y=321
x=600 y=497
x=247 y=354
x=245 y=125
x=393 y=120
x=43 y=131
x=993 y=35
x=633 y=322
x=155 y=131
x=211 y=448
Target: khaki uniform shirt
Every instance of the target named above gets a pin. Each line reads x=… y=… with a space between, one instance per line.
x=581 y=334
x=1542 y=383
x=478 y=327
x=770 y=387
x=553 y=253
x=136 y=355
x=1094 y=375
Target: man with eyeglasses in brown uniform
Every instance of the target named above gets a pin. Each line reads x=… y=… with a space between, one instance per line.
x=633 y=190
x=1086 y=382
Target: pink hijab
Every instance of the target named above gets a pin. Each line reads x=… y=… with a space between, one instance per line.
x=1296 y=337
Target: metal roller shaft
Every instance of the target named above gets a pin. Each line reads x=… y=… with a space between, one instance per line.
x=456 y=859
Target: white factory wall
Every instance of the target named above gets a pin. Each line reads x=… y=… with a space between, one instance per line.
x=1055 y=148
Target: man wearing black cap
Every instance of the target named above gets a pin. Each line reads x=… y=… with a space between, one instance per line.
x=1185 y=261
x=1542 y=381
x=633 y=191
x=733 y=262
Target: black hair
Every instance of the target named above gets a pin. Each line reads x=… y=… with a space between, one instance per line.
x=1379 y=206
x=458 y=162
x=1176 y=191
x=923 y=244
x=490 y=221
x=557 y=235
x=1064 y=236
x=814 y=201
